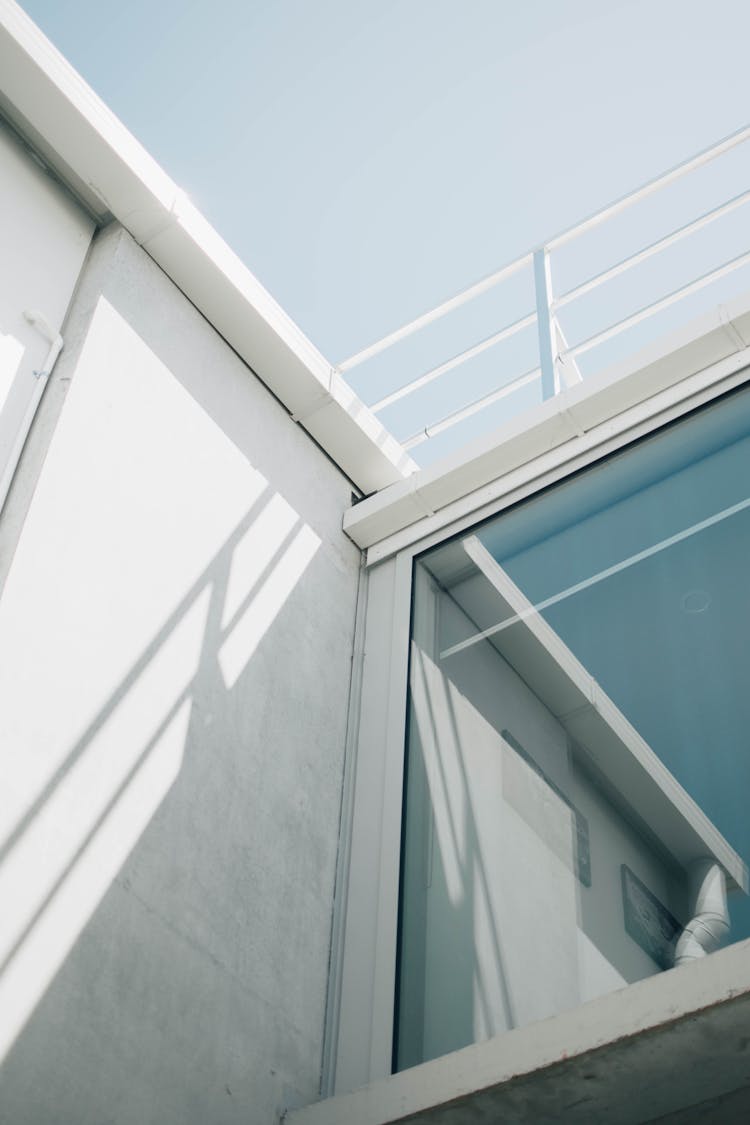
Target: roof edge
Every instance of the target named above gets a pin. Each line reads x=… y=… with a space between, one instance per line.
x=111 y=173
x=711 y=348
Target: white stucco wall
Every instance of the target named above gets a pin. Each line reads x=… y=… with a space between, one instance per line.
x=175 y=646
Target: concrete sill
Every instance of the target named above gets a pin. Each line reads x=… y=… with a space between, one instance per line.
x=666 y=1049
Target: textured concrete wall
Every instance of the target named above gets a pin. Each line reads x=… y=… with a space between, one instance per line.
x=175 y=647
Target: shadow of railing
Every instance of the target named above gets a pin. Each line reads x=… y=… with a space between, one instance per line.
x=196 y=809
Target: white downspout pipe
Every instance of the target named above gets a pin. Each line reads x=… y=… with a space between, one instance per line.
x=40 y=381
x=710 y=922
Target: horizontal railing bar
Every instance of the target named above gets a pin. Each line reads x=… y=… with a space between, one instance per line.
x=472 y=408
x=454 y=361
x=490 y=281
x=676 y=173
x=556 y=241
x=648 y=252
x=657 y=306
x=475 y=290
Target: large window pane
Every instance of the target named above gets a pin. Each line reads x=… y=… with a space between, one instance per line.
x=577 y=763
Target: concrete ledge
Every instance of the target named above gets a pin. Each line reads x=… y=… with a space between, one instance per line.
x=656 y=1048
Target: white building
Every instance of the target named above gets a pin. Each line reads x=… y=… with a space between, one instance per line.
x=226 y=591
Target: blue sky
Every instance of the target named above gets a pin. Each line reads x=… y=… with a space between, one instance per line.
x=367 y=159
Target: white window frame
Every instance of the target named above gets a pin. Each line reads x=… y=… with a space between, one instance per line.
x=363 y=966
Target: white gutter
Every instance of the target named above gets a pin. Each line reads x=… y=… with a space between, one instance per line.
x=114 y=176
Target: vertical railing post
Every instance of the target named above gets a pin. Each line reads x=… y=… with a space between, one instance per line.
x=543 y=289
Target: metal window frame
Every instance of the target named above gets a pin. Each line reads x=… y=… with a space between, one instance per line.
x=363 y=962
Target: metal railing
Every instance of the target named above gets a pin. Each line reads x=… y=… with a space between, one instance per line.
x=557 y=367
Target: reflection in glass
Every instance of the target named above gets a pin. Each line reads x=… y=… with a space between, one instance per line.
x=577 y=765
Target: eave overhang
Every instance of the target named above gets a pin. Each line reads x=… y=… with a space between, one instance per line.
x=114 y=177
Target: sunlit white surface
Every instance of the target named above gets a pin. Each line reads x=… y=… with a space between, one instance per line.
x=93 y=866
x=255 y=551
x=83 y=793
x=11 y=353
x=254 y=621
x=111 y=611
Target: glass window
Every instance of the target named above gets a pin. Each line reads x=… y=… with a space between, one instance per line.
x=577 y=764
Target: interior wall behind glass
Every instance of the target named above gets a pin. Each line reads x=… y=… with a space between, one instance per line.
x=650 y=591
x=529 y=883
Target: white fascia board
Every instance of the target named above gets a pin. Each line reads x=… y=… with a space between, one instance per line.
x=557 y=430
x=91 y=150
